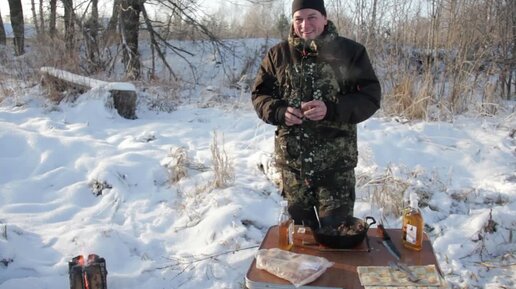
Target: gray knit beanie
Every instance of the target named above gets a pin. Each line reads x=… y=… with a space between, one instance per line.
x=312 y=4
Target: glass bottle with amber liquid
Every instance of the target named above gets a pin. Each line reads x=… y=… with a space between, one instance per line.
x=285 y=228
x=412 y=230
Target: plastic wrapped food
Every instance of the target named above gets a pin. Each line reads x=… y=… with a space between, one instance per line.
x=298 y=269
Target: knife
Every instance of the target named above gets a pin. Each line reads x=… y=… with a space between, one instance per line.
x=404 y=268
x=387 y=242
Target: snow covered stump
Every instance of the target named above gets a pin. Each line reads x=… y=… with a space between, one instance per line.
x=87 y=274
x=122 y=93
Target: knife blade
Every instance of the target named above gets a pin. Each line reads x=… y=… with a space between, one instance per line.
x=403 y=267
x=387 y=242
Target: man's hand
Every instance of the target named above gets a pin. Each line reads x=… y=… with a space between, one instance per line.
x=314 y=109
x=293 y=116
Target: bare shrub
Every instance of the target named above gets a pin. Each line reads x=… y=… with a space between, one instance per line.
x=5 y=91
x=242 y=78
x=160 y=96
x=458 y=43
x=176 y=163
x=59 y=90
x=222 y=166
x=52 y=52
x=389 y=190
x=385 y=191
x=490 y=100
x=410 y=96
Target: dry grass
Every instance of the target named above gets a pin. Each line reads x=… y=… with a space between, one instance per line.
x=410 y=96
x=177 y=164
x=222 y=165
x=472 y=36
x=389 y=189
x=385 y=191
x=160 y=95
x=5 y=91
x=490 y=101
x=52 y=52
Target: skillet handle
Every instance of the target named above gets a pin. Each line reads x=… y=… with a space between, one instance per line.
x=369 y=218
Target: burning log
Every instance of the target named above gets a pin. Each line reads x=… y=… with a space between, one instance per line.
x=87 y=274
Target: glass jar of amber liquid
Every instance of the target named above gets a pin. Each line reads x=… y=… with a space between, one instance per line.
x=412 y=230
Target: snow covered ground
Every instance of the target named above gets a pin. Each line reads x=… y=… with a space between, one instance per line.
x=79 y=179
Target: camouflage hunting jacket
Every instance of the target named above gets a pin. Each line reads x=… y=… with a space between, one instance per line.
x=330 y=68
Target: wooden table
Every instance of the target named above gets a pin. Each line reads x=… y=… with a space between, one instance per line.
x=343 y=274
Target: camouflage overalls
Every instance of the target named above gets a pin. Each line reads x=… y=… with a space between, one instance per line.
x=317 y=158
x=313 y=173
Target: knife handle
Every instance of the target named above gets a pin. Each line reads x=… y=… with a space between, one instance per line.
x=382 y=233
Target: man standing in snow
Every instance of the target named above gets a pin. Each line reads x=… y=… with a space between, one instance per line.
x=315 y=87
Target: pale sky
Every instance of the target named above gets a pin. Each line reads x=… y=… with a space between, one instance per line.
x=4 y=5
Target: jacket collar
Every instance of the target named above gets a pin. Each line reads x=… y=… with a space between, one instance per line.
x=312 y=47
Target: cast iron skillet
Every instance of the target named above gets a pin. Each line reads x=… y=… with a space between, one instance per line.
x=329 y=236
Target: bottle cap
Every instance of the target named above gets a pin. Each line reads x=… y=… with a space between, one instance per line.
x=413 y=200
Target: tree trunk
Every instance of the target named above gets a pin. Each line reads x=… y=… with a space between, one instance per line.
x=91 y=33
x=52 y=20
x=113 y=21
x=34 y=16
x=371 y=34
x=94 y=18
x=18 y=26
x=130 y=23
x=41 y=17
x=2 y=32
x=69 y=25
x=512 y=69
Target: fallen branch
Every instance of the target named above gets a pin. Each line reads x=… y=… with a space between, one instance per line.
x=179 y=261
x=492 y=265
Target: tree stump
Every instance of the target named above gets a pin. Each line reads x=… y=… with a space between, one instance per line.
x=123 y=94
x=125 y=103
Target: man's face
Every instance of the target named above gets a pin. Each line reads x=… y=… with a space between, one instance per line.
x=309 y=23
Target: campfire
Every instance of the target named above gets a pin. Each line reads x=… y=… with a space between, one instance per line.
x=87 y=273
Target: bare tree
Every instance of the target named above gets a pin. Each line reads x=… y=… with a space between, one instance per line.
x=18 y=24
x=41 y=17
x=371 y=33
x=183 y=15
x=69 y=25
x=52 y=18
x=257 y=21
x=113 y=21
x=34 y=16
x=512 y=75
x=507 y=28
x=186 y=11
x=2 y=32
x=90 y=32
x=282 y=26
x=129 y=29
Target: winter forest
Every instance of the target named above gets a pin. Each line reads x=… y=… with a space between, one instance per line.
x=446 y=130
x=437 y=55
